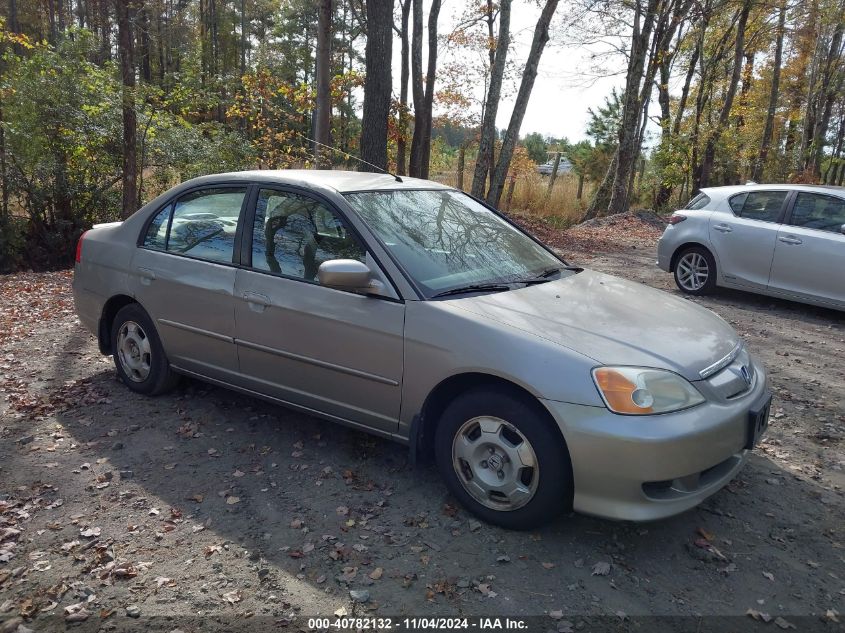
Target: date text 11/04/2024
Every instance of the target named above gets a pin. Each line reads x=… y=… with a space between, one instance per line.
x=415 y=624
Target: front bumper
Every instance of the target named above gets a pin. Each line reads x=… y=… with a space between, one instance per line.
x=642 y=468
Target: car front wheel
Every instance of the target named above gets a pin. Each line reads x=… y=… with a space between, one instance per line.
x=138 y=353
x=695 y=271
x=503 y=460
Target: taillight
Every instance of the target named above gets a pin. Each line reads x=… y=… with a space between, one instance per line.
x=677 y=218
x=79 y=247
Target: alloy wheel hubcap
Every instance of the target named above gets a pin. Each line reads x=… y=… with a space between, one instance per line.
x=693 y=271
x=133 y=351
x=495 y=463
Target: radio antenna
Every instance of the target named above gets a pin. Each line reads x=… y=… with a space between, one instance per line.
x=347 y=155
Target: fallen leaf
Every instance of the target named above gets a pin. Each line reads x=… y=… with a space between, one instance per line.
x=238 y=473
x=548 y=565
x=758 y=615
x=232 y=596
x=232 y=500
x=376 y=573
x=90 y=532
x=342 y=510
x=783 y=623
x=212 y=549
x=769 y=575
x=705 y=534
x=296 y=524
x=198 y=498
x=76 y=613
x=556 y=615
x=601 y=568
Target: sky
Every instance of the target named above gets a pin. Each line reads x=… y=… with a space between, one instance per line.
x=565 y=86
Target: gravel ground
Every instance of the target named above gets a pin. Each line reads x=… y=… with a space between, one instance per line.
x=116 y=509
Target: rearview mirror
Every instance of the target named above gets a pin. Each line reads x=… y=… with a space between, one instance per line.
x=346 y=274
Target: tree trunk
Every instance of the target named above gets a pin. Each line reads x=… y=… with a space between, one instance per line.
x=601 y=197
x=538 y=43
x=484 y=162
x=627 y=151
x=768 y=129
x=423 y=92
x=580 y=192
x=703 y=171
x=431 y=74
x=404 y=118
x=831 y=84
x=462 y=152
x=243 y=37
x=105 y=31
x=553 y=176
x=144 y=44
x=377 y=84
x=125 y=10
x=322 y=116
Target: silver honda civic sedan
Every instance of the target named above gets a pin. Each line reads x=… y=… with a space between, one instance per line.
x=784 y=241
x=410 y=310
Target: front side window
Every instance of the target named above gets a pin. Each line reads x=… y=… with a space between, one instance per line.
x=204 y=224
x=759 y=205
x=444 y=239
x=815 y=211
x=294 y=234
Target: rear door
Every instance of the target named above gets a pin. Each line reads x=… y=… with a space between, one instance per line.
x=332 y=351
x=183 y=275
x=744 y=238
x=809 y=261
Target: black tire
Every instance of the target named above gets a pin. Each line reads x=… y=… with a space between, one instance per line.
x=160 y=378
x=685 y=285
x=553 y=492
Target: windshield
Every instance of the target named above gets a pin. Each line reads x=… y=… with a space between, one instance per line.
x=444 y=239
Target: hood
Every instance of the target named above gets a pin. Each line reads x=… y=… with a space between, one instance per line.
x=613 y=321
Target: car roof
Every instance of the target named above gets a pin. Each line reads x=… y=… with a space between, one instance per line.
x=339 y=181
x=730 y=190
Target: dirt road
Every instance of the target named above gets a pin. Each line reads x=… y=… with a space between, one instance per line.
x=209 y=504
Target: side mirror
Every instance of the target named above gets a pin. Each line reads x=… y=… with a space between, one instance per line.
x=345 y=274
x=842 y=229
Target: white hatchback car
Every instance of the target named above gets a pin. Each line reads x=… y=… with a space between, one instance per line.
x=785 y=241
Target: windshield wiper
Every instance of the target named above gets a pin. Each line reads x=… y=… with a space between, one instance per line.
x=542 y=278
x=472 y=288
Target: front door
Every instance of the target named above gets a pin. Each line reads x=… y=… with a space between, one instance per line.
x=183 y=275
x=332 y=351
x=809 y=258
x=744 y=241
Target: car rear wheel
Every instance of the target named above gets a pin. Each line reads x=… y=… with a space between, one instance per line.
x=138 y=354
x=695 y=271
x=503 y=460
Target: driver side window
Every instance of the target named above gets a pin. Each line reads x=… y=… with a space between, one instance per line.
x=294 y=234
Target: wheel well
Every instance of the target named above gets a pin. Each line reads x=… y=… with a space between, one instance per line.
x=684 y=247
x=110 y=310
x=449 y=389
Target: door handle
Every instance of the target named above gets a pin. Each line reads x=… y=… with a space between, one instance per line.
x=256 y=301
x=790 y=239
x=722 y=228
x=147 y=275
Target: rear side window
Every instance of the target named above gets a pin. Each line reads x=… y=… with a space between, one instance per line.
x=815 y=211
x=759 y=205
x=204 y=224
x=156 y=236
x=698 y=202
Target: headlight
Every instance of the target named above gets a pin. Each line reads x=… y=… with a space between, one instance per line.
x=644 y=391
